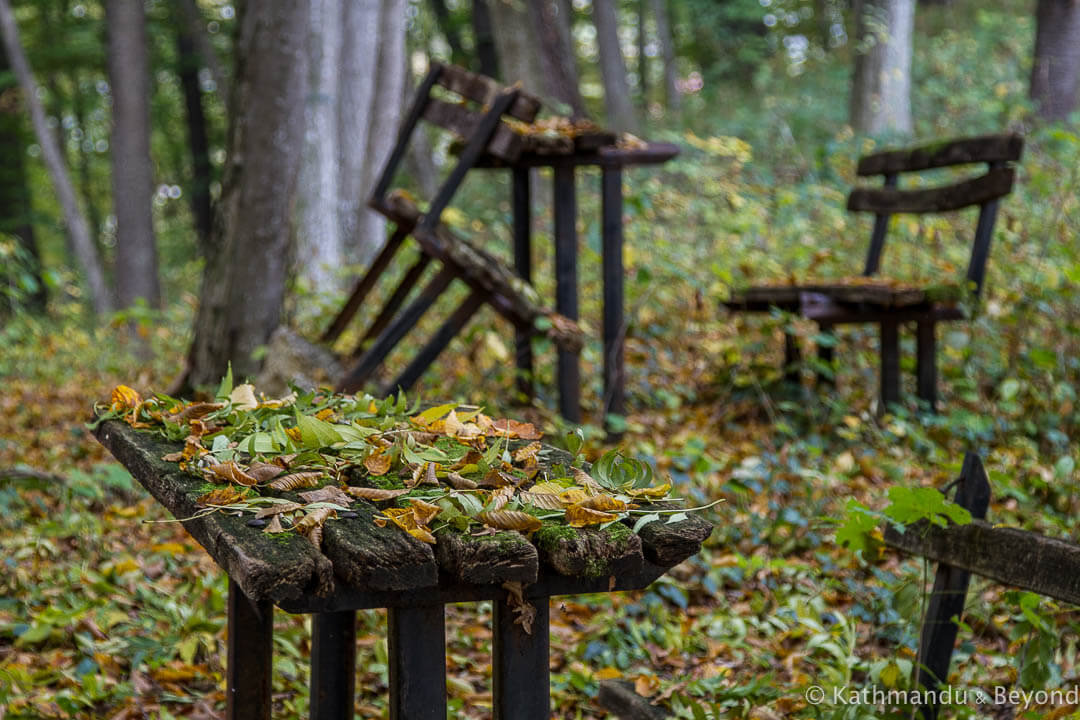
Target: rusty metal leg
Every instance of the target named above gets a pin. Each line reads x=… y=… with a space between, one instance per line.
x=614 y=320
x=521 y=685
x=890 y=364
x=250 y=657
x=333 y=665
x=566 y=288
x=926 y=362
x=417 y=647
x=523 y=266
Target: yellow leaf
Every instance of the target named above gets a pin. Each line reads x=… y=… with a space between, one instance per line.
x=577 y=516
x=422 y=533
x=545 y=500
x=604 y=503
x=608 y=673
x=325 y=414
x=232 y=472
x=124 y=398
x=424 y=512
x=170 y=548
x=510 y=520
x=651 y=492
x=375 y=494
x=528 y=452
x=572 y=496
x=500 y=497
x=221 y=496
x=243 y=397
x=377 y=464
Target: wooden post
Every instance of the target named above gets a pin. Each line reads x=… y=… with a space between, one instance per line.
x=417 y=648
x=522 y=202
x=363 y=286
x=521 y=684
x=926 y=362
x=249 y=655
x=890 y=364
x=614 y=320
x=333 y=665
x=566 y=288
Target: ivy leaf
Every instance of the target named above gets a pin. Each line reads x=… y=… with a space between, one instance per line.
x=859 y=525
x=910 y=505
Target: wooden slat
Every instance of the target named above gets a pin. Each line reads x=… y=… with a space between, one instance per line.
x=986 y=148
x=994 y=184
x=505 y=144
x=1014 y=557
x=483 y=90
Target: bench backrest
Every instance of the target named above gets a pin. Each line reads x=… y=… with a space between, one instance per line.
x=476 y=119
x=997 y=151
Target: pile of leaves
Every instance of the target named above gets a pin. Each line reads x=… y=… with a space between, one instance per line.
x=440 y=468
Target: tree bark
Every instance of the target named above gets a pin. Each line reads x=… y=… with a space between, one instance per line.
x=188 y=62
x=881 y=84
x=1055 y=74
x=449 y=31
x=557 y=55
x=78 y=234
x=196 y=27
x=620 y=111
x=15 y=207
x=244 y=280
x=519 y=57
x=667 y=48
x=132 y=172
x=484 y=38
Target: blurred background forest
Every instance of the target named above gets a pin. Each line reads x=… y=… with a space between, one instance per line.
x=177 y=153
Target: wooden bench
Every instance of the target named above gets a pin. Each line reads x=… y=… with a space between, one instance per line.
x=362 y=566
x=1010 y=556
x=872 y=298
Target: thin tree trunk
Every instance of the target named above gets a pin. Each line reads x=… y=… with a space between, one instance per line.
x=196 y=26
x=642 y=65
x=484 y=38
x=188 y=62
x=667 y=48
x=421 y=163
x=132 y=173
x=881 y=84
x=453 y=37
x=519 y=58
x=620 y=112
x=15 y=207
x=86 y=179
x=1055 y=74
x=244 y=281
x=557 y=56
x=78 y=234
x=320 y=249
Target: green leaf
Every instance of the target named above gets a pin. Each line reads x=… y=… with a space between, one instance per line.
x=226 y=385
x=645 y=520
x=859 y=523
x=910 y=505
x=432 y=414
x=316 y=433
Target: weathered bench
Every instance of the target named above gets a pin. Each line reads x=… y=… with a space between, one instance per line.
x=1017 y=558
x=872 y=298
x=362 y=566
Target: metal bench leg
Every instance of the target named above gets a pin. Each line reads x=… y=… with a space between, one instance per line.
x=250 y=656
x=333 y=665
x=521 y=685
x=926 y=362
x=523 y=265
x=890 y=364
x=417 y=646
x=566 y=288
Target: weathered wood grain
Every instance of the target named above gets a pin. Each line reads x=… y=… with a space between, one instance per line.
x=994 y=184
x=619 y=699
x=668 y=544
x=590 y=551
x=488 y=560
x=483 y=90
x=1019 y=558
x=265 y=567
x=504 y=144
x=986 y=148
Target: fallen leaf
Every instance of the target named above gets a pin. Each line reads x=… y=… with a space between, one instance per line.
x=232 y=472
x=375 y=494
x=424 y=512
x=277 y=509
x=510 y=520
x=604 y=503
x=243 y=397
x=650 y=492
x=525 y=611
x=528 y=452
x=514 y=429
x=263 y=471
x=458 y=482
x=377 y=464
x=578 y=516
x=124 y=398
x=296 y=480
x=330 y=493
x=221 y=496
x=500 y=497
x=274 y=526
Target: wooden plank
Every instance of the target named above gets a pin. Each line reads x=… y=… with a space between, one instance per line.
x=416 y=645
x=1011 y=556
x=589 y=551
x=614 y=319
x=986 y=148
x=879 y=293
x=994 y=184
x=263 y=567
x=668 y=544
x=619 y=699
x=566 y=289
x=483 y=90
x=394 y=302
x=926 y=361
x=249 y=659
x=504 y=143
x=877 y=237
x=333 y=665
x=487 y=560
x=416 y=110
x=521 y=684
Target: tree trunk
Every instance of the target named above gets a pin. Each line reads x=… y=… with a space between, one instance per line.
x=519 y=58
x=188 y=62
x=557 y=55
x=667 y=48
x=1056 y=70
x=78 y=234
x=196 y=27
x=881 y=85
x=15 y=207
x=484 y=38
x=642 y=65
x=450 y=32
x=132 y=173
x=244 y=280
x=320 y=249
x=620 y=112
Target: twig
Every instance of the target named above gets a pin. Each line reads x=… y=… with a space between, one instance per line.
x=28 y=473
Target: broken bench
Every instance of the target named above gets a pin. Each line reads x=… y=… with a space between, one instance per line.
x=363 y=566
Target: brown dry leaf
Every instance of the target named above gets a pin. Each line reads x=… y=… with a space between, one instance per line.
x=296 y=480
x=330 y=493
x=311 y=524
x=510 y=520
x=528 y=452
x=541 y=496
x=458 y=482
x=451 y=425
x=514 y=429
x=500 y=497
x=572 y=496
x=274 y=526
x=424 y=512
x=232 y=472
x=173 y=457
x=221 y=496
x=194 y=410
x=585 y=480
x=377 y=464
x=525 y=611
x=604 y=503
x=650 y=492
x=284 y=460
x=264 y=472
x=430 y=476
x=275 y=510
x=495 y=478
x=375 y=494
x=578 y=516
